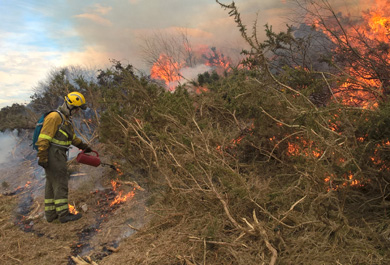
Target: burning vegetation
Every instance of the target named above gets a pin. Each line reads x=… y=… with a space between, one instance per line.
x=308 y=165
x=172 y=70
x=282 y=161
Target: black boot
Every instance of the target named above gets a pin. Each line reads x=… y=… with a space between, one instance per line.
x=51 y=218
x=70 y=217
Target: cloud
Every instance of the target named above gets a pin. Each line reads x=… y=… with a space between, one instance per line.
x=23 y=66
x=36 y=37
x=96 y=14
x=90 y=57
x=95 y=18
x=20 y=72
x=191 y=33
x=102 y=9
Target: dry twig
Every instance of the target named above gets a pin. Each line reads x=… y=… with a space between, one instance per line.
x=131 y=183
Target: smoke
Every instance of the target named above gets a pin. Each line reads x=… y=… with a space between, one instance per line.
x=191 y=73
x=8 y=142
x=188 y=74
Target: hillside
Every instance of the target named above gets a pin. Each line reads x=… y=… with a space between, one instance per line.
x=280 y=160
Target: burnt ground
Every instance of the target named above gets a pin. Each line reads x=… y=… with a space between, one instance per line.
x=27 y=238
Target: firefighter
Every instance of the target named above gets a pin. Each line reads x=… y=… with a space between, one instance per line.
x=55 y=138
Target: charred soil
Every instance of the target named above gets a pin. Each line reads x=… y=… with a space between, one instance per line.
x=26 y=237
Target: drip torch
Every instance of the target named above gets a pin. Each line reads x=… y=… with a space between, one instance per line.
x=92 y=160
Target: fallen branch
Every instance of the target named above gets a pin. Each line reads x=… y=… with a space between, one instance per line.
x=80 y=261
x=33 y=214
x=78 y=174
x=187 y=262
x=292 y=207
x=257 y=226
x=197 y=239
x=18 y=260
x=131 y=183
x=14 y=192
x=112 y=249
x=132 y=227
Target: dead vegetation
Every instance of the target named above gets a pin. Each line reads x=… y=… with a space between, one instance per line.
x=226 y=190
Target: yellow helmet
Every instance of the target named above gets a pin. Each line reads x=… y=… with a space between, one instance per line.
x=76 y=99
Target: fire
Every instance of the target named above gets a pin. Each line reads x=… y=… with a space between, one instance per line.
x=303 y=147
x=113 y=184
x=217 y=60
x=119 y=198
x=348 y=180
x=378 y=20
x=170 y=69
x=166 y=69
x=117 y=169
x=72 y=209
x=248 y=130
x=363 y=43
x=199 y=90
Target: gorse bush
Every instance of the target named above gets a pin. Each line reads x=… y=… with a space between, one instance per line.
x=254 y=170
x=15 y=117
x=250 y=162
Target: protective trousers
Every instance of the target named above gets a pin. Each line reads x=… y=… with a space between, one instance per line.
x=56 y=189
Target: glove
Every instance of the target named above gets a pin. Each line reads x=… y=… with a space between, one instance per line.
x=43 y=158
x=43 y=163
x=88 y=149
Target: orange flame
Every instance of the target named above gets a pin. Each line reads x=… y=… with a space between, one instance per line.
x=248 y=130
x=72 y=209
x=348 y=180
x=364 y=87
x=167 y=69
x=117 y=169
x=217 y=60
x=113 y=184
x=119 y=198
x=200 y=89
x=303 y=147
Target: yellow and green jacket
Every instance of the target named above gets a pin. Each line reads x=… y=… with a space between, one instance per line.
x=53 y=133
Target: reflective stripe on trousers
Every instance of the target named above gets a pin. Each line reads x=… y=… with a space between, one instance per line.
x=56 y=188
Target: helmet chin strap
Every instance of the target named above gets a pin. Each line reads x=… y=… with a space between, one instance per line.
x=70 y=108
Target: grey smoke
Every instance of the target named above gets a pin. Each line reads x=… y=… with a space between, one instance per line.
x=191 y=73
x=8 y=142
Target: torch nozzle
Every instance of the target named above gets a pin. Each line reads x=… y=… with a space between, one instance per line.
x=109 y=165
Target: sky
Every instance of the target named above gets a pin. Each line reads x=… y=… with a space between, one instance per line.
x=37 y=36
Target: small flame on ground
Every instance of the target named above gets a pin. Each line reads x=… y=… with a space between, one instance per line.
x=72 y=209
x=348 y=180
x=119 y=198
x=248 y=130
x=117 y=168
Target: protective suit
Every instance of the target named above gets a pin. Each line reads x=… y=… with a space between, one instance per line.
x=56 y=136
